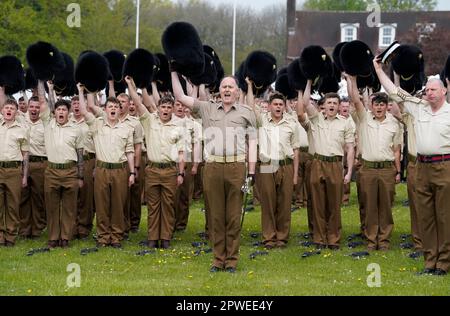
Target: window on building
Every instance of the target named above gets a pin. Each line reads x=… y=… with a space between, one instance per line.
x=349 y=32
x=387 y=35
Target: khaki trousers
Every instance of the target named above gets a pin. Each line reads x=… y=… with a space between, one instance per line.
x=160 y=190
x=198 y=182
x=61 y=191
x=433 y=205
x=135 y=196
x=300 y=191
x=110 y=194
x=362 y=211
x=378 y=191
x=32 y=210
x=222 y=184
x=10 y=190
x=276 y=192
x=326 y=193
x=412 y=197
x=183 y=199
x=85 y=215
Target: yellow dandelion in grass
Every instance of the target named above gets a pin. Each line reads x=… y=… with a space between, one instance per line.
x=250 y=273
x=190 y=276
x=402 y=269
x=29 y=291
x=359 y=279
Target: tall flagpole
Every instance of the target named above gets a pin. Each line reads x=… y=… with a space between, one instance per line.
x=138 y=4
x=233 y=63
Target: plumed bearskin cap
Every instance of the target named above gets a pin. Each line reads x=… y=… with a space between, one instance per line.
x=282 y=86
x=337 y=55
x=297 y=79
x=64 y=82
x=315 y=62
x=45 y=60
x=140 y=64
x=30 y=80
x=209 y=76
x=92 y=71
x=261 y=69
x=184 y=49
x=357 y=59
x=408 y=61
x=162 y=76
x=116 y=59
x=12 y=75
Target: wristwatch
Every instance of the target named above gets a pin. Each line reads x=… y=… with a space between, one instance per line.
x=180 y=174
x=132 y=173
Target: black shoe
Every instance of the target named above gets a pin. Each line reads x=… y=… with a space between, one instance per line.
x=320 y=246
x=134 y=230
x=439 y=272
x=427 y=271
x=415 y=254
x=64 y=243
x=333 y=247
x=53 y=244
x=165 y=244
x=215 y=269
x=152 y=244
x=101 y=245
x=230 y=270
x=116 y=245
x=406 y=245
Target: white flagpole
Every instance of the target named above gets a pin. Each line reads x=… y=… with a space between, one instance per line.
x=233 y=63
x=138 y=4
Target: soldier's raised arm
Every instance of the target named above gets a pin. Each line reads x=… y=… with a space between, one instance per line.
x=179 y=93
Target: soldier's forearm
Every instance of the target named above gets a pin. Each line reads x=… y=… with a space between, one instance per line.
x=25 y=163
x=80 y=164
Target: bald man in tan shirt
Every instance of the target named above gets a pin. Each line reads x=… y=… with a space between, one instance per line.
x=14 y=144
x=432 y=123
x=331 y=133
x=381 y=137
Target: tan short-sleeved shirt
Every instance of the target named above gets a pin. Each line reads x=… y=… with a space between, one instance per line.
x=192 y=132
x=308 y=129
x=302 y=135
x=135 y=125
x=330 y=136
x=224 y=134
x=379 y=138
x=112 y=143
x=277 y=141
x=164 y=141
x=432 y=129
x=61 y=141
x=88 y=141
x=14 y=139
x=37 y=138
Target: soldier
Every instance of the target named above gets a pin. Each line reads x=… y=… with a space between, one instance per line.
x=278 y=171
x=331 y=133
x=32 y=211
x=224 y=172
x=381 y=148
x=115 y=152
x=85 y=214
x=14 y=144
x=165 y=146
x=192 y=153
x=344 y=110
x=64 y=174
x=432 y=121
x=133 y=206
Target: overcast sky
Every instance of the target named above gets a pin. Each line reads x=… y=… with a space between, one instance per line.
x=259 y=4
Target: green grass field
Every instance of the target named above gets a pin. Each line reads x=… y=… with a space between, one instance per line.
x=180 y=272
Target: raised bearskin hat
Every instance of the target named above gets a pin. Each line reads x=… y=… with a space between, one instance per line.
x=357 y=59
x=30 y=80
x=282 y=85
x=45 y=60
x=261 y=69
x=184 y=49
x=140 y=64
x=297 y=79
x=408 y=61
x=209 y=76
x=12 y=75
x=337 y=55
x=315 y=62
x=92 y=71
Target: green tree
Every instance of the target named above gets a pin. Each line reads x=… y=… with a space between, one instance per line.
x=361 y=5
x=336 y=5
x=407 y=5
